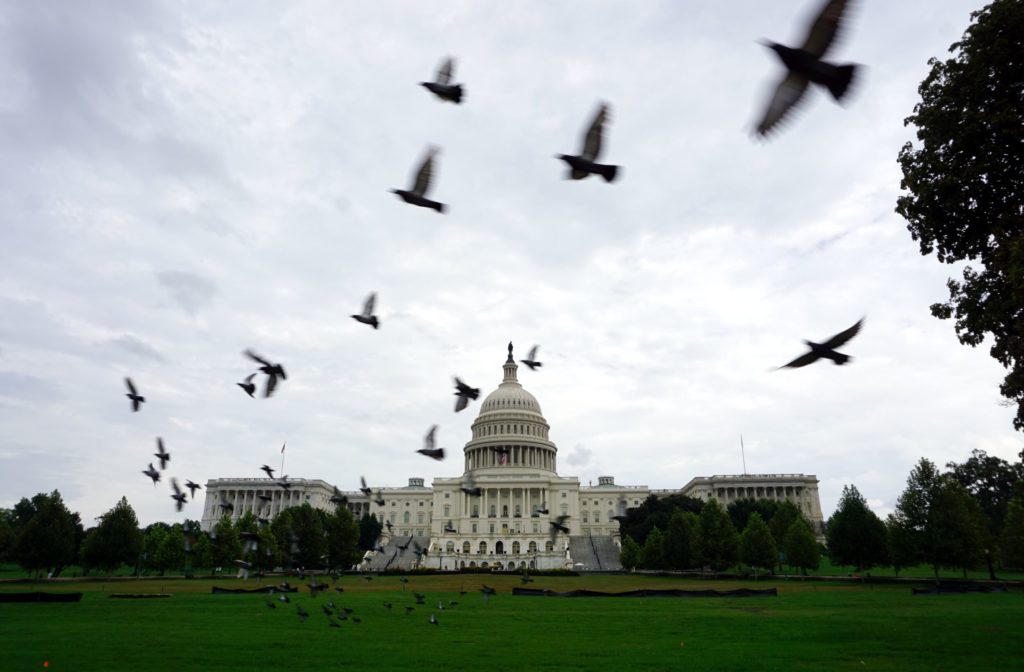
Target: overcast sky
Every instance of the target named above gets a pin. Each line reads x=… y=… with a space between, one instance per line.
x=186 y=180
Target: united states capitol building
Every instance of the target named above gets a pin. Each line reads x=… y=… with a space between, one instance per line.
x=513 y=462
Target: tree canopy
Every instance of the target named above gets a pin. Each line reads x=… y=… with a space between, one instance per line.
x=856 y=536
x=46 y=541
x=716 y=537
x=757 y=546
x=964 y=180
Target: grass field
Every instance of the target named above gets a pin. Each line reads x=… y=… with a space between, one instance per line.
x=809 y=626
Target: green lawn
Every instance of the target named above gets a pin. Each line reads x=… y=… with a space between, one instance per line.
x=809 y=626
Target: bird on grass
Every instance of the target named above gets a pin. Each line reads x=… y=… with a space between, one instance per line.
x=271 y=605
x=558 y=525
x=192 y=487
x=531 y=359
x=804 y=65
x=442 y=86
x=402 y=579
x=332 y=623
x=137 y=400
x=315 y=587
x=409 y=610
x=179 y=496
x=464 y=393
x=273 y=371
x=470 y=487
x=283 y=598
x=826 y=350
x=487 y=592
x=367 y=316
x=161 y=454
x=428 y=448
x=388 y=605
x=248 y=385
x=585 y=163
x=433 y=619
x=303 y=614
x=440 y=605
x=421 y=185
x=152 y=473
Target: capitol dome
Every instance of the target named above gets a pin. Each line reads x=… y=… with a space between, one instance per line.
x=510 y=429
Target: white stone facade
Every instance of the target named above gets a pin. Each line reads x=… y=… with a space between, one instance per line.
x=512 y=460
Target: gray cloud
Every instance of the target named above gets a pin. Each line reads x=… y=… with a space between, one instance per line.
x=136 y=346
x=191 y=290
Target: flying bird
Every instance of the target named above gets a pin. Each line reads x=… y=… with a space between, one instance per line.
x=804 y=65
x=152 y=473
x=558 y=525
x=470 y=487
x=826 y=350
x=542 y=509
x=179 y=497
x=585 y=163
x=248 y=385
x=284 y=483
x=387 y=524
x=464 y=393
x=273 y=371
x=227 y=506
x=161 y=454
x=421 y=185
x=243 y=569
x=367 y=316
x=338 y=498
x=363 y=487
x=622 y=514
x=442 y=86
x=531 y=359
x=250 y=541
x=428 y=448
x=269 y=471
x=192 y=487
x=379 y=500
x=137 y=400
x=487 y=592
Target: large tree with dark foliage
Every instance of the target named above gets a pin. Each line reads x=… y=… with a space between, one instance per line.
x=369 y=531
x=656 y=512
x=717 y=539
x=964 y=183
x=956 y=534
x=741 y=510
x=342 y=539
x=117 y=540
x=991 y=481
x=856 y=536
x=46 y=542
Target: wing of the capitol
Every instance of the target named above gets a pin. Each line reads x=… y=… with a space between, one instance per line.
x=511 y=458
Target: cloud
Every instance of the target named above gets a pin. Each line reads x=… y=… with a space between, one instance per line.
x=138 y=347
x=191 y=290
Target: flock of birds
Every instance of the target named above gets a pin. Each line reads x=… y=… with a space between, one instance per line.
x=804 y=65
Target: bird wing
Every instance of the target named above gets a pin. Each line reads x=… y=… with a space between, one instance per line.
x=461 y=402
x=802 y=360
x=426 y=171
x=428 y=440
x=174 y=486
x=160 y=446
x=786 y=95
x=131 y=386
x=252 y=355
x=371 y=301
x=271 y=385
x=532 y=355
x=824 y=28
x=248 y=379
x=592 y=141
x=444 y=73
x=363 y=482
x=843 y=336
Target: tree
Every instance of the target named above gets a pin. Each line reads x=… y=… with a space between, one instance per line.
x=656 y=512
x=171 y=552
x=680 y=540
x=956 y=528
x=741 y=510
x=308 y=528
x=369 y=532
x=782 y=520
x=912 y=509
x=342 y=539
x=115 y=541
x=964 y=183
x=47 y=540
x=629 y=556
x=757 y=547
x=990 y=480
x=856 y=536
x=901 y=543
x=716 y=537
x=152 y=540
x=1011 y=546
x=8 y=534
x=800 y=546
x=652 y=554
x=225 y=543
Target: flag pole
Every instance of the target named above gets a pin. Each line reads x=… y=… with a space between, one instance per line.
x=281 y=471
x=743 y=452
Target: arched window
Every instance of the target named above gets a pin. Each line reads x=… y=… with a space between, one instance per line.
x=450 y=547
x=499 y=547
x=465 y=547
x=419 y=518
x=549 y=546
x=405 y=517
x=483 y=548
x=533 y=547
x=515 y=548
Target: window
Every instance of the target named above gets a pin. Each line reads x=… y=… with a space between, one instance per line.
x=492 y=528
x=491 y=513
x=584 y=516
x=419 y=533
x=474 y=528
x=420 y=504
x=549 y=546
x=483 y=548
x=450 y=547
x=515 y=548
x=419 y=518
x=565 y=509
x=447 y=495
x=533 y=547
x=519 y=509
x=597 y=516
x=563 y=494
x=394 y=518
x=405 y=517
x=584 y=502
x=447 y=510
x=407 y=505
x=504 y=511
x=536 y=528
x=465 y=546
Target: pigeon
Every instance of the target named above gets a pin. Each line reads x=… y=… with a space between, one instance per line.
x=243 y=569
x=356 y=620
x=271 y=605
x=332 y=623
x=542 y=509
x=315 y=587
x=440 y=605
x=428 y=448
x=227 y=506
x=558 y=525
x=470 y=487
x=804 y=65
x=409 y=610
x=268 y=470
x=284 y=483
x=250 y=541
x=464 y=393
x=368 y=578
x=363 y=488
x=137 y=400
x=421 y=185
x=179 y=497
x=367 y=316
x=586 y=162
x=152 y=473
x=248 y=385
x=303 y=614
x=379 y=500
x=433 y=619
x=283 y=598
x=266 y=498
x=192 y=487
x=442 y=86
x=402 y=579
x=487 y=592
x=387 y=605
x=387 y=524
x=337 y=498
x=622 y=515
x=827 y=349
x=531 y=359
x=161 y=454
x=273 y=371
